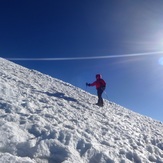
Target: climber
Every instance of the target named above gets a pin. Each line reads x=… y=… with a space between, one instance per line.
x=100 y=86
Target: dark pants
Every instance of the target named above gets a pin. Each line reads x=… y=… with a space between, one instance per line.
x=99 y=94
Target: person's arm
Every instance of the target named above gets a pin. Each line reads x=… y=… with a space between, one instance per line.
x=91 y=84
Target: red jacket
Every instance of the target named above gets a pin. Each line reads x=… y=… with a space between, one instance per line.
x=99 y=83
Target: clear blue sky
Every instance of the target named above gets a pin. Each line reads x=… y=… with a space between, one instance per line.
x=89 y=28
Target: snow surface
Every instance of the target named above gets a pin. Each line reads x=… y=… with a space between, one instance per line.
x=45 y=120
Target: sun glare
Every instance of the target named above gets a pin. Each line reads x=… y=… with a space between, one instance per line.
x=161 y=61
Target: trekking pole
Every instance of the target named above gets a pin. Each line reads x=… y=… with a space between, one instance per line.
x=106 y=95
x=86 y=86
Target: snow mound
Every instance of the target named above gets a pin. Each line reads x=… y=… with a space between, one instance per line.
x=45 y=120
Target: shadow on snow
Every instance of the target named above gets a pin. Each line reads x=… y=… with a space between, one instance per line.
x=60 y=95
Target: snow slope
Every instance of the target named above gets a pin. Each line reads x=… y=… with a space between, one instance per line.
x=45 y=120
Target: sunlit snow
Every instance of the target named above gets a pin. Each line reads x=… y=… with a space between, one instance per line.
x=45 y=120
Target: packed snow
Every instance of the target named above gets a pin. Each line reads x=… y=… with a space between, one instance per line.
x=46 y=120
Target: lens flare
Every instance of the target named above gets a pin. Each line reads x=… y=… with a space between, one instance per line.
x=161 y=61
x=88 y=58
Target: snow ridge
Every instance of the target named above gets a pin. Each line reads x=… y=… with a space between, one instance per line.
x=45 y=120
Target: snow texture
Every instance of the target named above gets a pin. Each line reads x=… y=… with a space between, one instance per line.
x=45 y=120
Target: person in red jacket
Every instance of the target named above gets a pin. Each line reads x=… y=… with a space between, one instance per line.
x=100 y=86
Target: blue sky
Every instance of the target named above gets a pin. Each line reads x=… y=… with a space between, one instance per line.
x=90 y=28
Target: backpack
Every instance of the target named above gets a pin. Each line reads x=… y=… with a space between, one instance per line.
x=102 y=84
